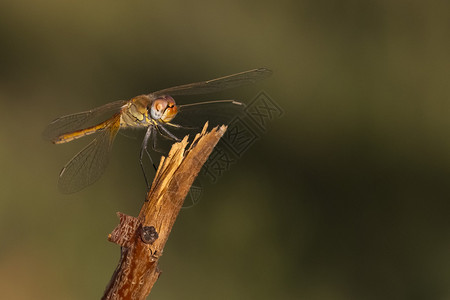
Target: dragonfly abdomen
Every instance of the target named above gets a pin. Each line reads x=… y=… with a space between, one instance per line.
x=68 y=137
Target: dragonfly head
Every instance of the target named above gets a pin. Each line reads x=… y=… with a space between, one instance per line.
x=163 y=108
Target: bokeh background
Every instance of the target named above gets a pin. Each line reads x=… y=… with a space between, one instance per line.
x=346 y=196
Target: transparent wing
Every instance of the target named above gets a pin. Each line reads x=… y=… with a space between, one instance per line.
x=192 y=117
x=88 y=165
x=78 y=121
x=219 y=112
x=218 y=84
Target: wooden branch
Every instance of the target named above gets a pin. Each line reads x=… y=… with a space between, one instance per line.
x=142 y=239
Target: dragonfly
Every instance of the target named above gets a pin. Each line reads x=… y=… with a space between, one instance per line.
x=156 y=112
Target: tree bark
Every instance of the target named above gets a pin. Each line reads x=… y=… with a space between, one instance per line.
x=142 y=239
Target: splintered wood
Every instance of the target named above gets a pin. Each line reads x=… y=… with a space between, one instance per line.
x=142 y=239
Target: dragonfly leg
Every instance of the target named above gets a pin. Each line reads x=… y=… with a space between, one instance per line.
x=182 y=127
x=144 y=149
x=171 y=135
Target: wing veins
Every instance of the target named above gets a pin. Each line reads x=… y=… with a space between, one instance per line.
x=218 y=84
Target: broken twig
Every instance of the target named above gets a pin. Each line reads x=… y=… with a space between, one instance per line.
x=142 y=239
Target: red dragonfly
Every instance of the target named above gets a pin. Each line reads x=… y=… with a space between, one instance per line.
x=157 y=112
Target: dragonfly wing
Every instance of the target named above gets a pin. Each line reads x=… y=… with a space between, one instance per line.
x=88 y=165
x=191 y=118
x=218 y=84
x=78 y=121
x=220 y=112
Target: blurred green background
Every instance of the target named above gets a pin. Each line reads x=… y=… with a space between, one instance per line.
x=344 y=197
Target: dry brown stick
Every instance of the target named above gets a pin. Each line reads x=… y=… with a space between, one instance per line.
x=142 y=239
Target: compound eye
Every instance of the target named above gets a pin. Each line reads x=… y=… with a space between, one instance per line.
x=158 y=108
x=160 y=105
x=169 y=113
